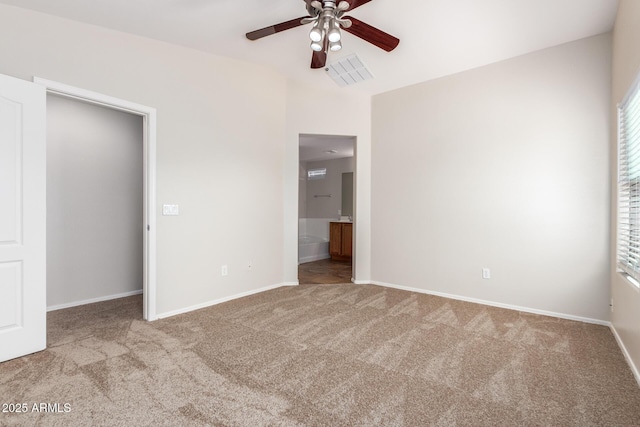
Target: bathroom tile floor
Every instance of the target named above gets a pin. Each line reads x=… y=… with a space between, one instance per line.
x=324 y=271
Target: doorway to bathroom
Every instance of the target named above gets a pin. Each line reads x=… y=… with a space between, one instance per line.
x=326 y=182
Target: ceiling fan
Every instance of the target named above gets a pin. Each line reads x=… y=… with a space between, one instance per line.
x=327 y=18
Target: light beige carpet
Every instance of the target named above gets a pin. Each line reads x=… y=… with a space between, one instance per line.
x=322 y=355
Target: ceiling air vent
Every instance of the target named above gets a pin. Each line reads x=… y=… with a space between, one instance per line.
x=348 y=71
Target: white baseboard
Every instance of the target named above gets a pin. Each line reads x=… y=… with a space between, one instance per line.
x=290 y=283
x=361 y=282
x=626 y=354
x=496 y=304
x=92 y=300
x=221 y=300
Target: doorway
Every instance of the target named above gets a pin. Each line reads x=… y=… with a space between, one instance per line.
x=145 y=194
x=94 y=203
x=326 y=183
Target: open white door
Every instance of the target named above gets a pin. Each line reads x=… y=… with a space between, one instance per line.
x=23 y=308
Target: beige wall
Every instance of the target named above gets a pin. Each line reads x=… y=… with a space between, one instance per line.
x=626 y=66
x=506 y=167
x=322 y=112
x=220 y=146
x=94 y=202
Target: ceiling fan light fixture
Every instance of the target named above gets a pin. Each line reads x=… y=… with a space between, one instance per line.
x=316 y=46
x=315 y=34
x=334 y=32
x=335 y=46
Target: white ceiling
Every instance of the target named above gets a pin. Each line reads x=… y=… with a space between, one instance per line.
x=437 y=37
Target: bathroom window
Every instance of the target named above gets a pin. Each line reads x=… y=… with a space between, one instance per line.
x=629 y=184
x=318 y=173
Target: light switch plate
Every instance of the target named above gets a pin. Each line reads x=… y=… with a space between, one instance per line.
x=170 y=210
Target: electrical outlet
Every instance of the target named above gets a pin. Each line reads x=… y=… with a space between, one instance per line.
x=224 y=270
x=611 y=305
x=249 y=266
x=486 y=273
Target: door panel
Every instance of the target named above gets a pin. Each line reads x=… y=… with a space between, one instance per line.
x=10 y=173
x=10 y=295
x=22 y=218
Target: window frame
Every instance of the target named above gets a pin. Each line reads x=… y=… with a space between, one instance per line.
x=628 y=186
x=316 y=173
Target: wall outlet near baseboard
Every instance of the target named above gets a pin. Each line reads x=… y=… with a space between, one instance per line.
x=486 y=273
x=224 y=270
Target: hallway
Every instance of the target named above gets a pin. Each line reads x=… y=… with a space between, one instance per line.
x=324 y=272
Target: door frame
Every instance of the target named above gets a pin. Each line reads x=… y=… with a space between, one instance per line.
x=148 y=115
x=355 y=192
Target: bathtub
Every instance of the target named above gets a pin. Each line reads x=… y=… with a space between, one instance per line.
x=312 y=248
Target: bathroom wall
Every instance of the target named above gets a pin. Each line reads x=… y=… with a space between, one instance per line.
x=317 y=212
x=327 y=207
x=320 y=201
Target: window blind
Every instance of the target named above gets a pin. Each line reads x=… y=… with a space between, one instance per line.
x=629 y=183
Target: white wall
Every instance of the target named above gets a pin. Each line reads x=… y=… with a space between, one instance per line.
x=350 y=115
x=507 y=167
x=226 y=176
x=626 y=66
x=94 y=202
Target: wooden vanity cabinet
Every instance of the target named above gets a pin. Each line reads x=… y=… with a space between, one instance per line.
x=340 y=240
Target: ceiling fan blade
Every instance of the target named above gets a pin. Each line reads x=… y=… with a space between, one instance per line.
x=318 y=59
x=267 y=31
x=372 y=34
